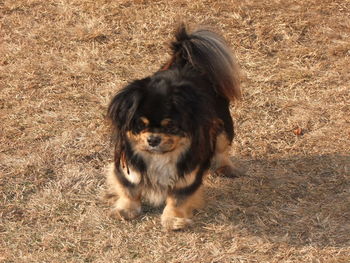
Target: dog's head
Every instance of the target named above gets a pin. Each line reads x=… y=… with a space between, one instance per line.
x=161 y=113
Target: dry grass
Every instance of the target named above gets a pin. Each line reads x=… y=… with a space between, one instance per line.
x=60 y=63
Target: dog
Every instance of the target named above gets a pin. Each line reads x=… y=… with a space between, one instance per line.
x=172 y=126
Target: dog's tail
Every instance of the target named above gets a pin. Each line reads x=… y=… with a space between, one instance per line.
x=208 y=52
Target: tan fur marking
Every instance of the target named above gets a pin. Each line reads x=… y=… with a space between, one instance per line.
x=187 y=180
x=221 y=161
x=221 y=151
x=165 y=122
x=144 y=120
x=178 y=216
x=222 y=143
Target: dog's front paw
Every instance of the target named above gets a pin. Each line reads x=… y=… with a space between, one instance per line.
x=126 y=209
x=127 y=214
x=175 y=223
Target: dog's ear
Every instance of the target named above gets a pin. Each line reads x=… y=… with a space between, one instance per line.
x=123 y=106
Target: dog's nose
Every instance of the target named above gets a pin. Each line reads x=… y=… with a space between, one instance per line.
x=153 y=140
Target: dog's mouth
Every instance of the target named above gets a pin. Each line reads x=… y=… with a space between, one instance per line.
x=158 y=150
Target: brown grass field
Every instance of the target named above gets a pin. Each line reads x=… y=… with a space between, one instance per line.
x=60 y=63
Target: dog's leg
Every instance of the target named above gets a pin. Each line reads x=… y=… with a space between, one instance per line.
x=177 y=213
x=128 y=202
x=221 y=161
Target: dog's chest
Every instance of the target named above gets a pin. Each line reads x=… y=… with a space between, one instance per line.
x=161 y=170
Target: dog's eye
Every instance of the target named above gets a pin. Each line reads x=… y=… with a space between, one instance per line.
x=142 y=123
x=169 y=126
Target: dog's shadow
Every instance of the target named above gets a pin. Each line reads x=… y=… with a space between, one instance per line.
x=152 y=210
x=299 y=201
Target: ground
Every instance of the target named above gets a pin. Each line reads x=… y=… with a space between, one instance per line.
x=60 y=64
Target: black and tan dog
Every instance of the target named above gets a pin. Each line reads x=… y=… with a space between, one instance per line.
x=172 y=126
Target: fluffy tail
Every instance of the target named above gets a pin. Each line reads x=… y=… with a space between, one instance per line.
x=208 y=52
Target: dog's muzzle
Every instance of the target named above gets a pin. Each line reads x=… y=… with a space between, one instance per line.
x=154 y=140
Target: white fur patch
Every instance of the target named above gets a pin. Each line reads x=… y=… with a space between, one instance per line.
x=132 y=175
x=162 y=172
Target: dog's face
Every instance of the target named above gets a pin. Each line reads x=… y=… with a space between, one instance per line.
x=156 y=136
x=158 y=114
